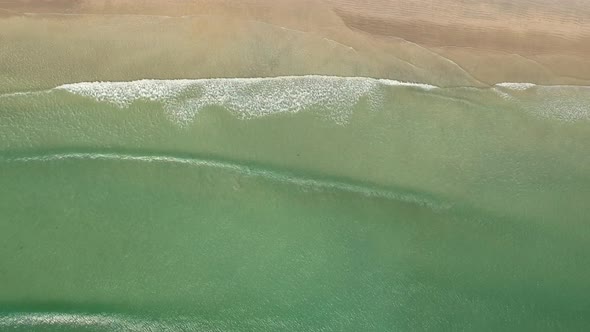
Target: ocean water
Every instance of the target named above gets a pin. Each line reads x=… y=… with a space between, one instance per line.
x=295 y=203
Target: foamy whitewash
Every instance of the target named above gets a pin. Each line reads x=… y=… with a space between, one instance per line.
x=245 y=97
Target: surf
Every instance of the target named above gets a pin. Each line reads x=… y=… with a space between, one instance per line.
x=333 y=97
x=246 y=98
x=101 y=322
x=290 y=177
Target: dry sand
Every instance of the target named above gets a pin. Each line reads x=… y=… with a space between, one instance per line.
x=447 y=42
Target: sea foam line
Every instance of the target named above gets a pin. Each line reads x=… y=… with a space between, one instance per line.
x=304 y=182
x=333 y=96
x=164 y=84
x=271 y=79
x=107 y=322
x=24 y=93
x=128 y=322
x=516 y=85
x=246 y=98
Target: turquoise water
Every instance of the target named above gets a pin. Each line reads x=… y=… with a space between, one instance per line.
x=297 y=203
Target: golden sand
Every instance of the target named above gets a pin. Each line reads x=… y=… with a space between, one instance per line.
x=447 y=42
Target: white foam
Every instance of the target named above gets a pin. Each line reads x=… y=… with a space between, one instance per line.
x=409 y=84
x=502 y=94
x=562 y=102
x=516 y=86
x=245 y=97
x=124 y=93
x=104 y=322
x=273 y=175
x=23 y=93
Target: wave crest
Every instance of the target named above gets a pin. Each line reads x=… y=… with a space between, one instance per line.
x=245 y=97
x=275 y=175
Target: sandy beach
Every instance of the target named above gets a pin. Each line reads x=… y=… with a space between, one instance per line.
x=450 y=43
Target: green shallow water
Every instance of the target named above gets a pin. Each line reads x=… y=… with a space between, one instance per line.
x=403 y=209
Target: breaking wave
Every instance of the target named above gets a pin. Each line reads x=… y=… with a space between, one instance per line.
x=74 y=321
x=333 y=97
x=245 y=97
x=275 y=175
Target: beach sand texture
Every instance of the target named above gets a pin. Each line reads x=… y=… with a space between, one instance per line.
x=448 y=43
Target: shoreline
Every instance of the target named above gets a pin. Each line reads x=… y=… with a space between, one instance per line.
x=516 y=86
x=513 y=86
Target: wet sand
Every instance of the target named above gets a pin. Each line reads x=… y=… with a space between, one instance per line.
x=448 y=43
